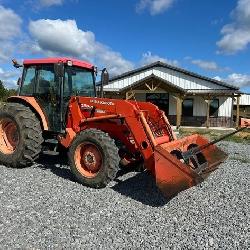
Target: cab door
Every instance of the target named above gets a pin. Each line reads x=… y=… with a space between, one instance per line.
x=48 y=94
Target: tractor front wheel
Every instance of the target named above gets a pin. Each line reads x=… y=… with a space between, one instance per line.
x=93 y=158
x=20 y=135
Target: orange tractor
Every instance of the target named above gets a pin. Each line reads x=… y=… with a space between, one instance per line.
x=57 y=110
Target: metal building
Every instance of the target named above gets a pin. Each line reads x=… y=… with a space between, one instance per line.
x=243 y=107
x=187 y=98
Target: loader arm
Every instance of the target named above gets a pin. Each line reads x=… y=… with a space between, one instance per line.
x=85 y=112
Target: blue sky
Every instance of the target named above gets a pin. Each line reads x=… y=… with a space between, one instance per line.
x=208 y=37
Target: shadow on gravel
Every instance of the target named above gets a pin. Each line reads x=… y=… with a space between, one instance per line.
x=57 y=165
x=140 y=187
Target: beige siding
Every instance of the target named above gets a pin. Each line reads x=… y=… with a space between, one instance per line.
x=244 y=99
x=172 y=105
x=225 y=106
x=200 y=106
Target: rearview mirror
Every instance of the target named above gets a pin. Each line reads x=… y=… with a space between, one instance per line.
x=59 y=69
x=16 y=64
x=104 y=80
x=18 y=81
x=105 y=76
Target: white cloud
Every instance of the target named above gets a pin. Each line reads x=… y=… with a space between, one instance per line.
x=48 y=3
x=64 y=38
x=148 y=58
x=6 y=50
x=208 y=65
x=236 y=35
x=10 y=24
x=10 y=28
x=9 y=78
x=218 y=78
x=239 y=80
x=154 y=6
x=59 y=37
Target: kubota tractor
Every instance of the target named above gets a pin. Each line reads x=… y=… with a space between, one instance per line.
x=57 y=110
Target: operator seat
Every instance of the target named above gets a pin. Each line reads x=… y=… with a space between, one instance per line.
x=44 y=87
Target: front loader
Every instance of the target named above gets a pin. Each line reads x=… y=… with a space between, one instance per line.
x=57 y=111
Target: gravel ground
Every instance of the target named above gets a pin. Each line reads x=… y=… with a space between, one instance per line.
x=42 y=207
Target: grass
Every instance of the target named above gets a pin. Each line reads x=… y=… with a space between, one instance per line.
x=211 y=134
x=242 y=160
x=241 y=137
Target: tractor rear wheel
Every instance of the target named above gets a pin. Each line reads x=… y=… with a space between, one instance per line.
x=20 y=135
x=93 y=158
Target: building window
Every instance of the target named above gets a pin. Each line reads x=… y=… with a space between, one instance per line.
x=214 y=108
x=187 y=107
x=159 y=99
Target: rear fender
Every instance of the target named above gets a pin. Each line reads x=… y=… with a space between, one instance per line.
x=35 y=107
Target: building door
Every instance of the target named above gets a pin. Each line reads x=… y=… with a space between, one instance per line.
x=188 y=107
x=159 y=99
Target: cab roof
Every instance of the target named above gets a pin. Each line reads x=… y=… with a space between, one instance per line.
x=75 y=62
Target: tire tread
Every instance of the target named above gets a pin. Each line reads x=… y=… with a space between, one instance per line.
x=31 y=134
x=111 y=157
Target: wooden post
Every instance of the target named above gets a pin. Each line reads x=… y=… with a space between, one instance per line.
x=129 y=95
x=237 y=111
x=208 y=101
x=179 y=101
x=232 y=113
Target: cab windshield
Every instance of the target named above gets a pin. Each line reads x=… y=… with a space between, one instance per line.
x=78 y=82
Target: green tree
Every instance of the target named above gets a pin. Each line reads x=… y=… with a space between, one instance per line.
x=5 y=93
x=12 y=92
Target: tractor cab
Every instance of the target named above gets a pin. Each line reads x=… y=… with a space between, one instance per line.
x=53 y=81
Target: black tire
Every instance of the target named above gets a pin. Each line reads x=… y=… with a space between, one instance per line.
x=28 y=131
x=108 y=151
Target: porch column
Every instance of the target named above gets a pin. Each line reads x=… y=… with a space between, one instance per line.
x=179 y=101
x=237 y=111
x=232 y=112
x=208 y=101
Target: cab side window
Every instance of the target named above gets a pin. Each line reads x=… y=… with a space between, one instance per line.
x=46 y=80
x=29 y=79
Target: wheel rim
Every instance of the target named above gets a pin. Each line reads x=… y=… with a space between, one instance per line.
x=9 y=136
x=88 y=159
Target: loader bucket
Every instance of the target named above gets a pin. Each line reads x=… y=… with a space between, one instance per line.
x=174 y=175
